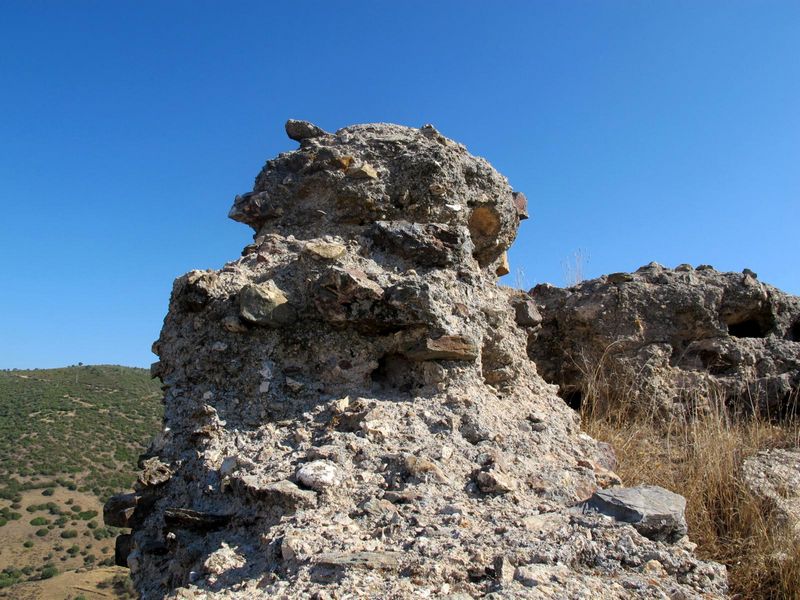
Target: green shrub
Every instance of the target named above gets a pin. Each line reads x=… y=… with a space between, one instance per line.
x=47 y=492
x=6 y=581
x=49 y=572
x=9 y=577
x=68 y=534
x=39 y=521
x=41 y=532
x=102 y=533
x=28 y=544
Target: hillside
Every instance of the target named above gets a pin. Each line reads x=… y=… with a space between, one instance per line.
x=68 y=438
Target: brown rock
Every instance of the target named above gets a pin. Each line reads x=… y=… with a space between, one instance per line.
x=326 y=250
x=446 y=347
x=521 y=205
x=362 y=171
x=265 y=304
x=503 y=267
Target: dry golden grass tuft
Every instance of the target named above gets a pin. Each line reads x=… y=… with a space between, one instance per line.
x=700 y=457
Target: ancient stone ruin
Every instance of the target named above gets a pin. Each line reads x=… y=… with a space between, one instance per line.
x=673 y=341
x=350 y=410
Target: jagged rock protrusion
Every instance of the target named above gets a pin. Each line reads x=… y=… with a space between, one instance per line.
x=303 y=130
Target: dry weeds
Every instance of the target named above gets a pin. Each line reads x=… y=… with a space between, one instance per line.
x=701 y=458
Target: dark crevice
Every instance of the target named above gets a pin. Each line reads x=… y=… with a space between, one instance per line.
x=572 y=396
x=750 y=328
x=756 y=322
x=394 y=372
x=794 y=332
x=716 y=364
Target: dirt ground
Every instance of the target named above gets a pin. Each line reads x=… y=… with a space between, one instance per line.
x=68 y=586
x=77 y=557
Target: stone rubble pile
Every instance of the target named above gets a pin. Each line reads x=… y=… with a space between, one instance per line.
x=350 y=411
x=676 y=340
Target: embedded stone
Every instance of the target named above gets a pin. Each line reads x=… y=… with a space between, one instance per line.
x=428 y=244
x=265 y=304
x=446 y=347
x=318 y=474
x=195 y=520
x=282 y=493
x=326 y=250
x=494 y=481
x=362 y=171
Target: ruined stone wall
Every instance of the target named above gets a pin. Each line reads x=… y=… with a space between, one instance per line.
x=674 y=341
x=350 y=410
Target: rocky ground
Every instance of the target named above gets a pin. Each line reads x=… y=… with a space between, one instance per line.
x=350 y=410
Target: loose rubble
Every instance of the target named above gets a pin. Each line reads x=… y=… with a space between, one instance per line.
x=676 y=340
x=350 y=411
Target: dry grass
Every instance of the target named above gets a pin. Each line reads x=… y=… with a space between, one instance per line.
x=700 y=458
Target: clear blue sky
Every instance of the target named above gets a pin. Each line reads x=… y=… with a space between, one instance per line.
x=639 y=131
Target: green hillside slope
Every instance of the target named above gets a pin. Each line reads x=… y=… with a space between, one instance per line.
x=80 y=427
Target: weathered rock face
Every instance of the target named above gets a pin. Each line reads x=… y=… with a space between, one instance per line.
x=350 y=410
x=683 y=337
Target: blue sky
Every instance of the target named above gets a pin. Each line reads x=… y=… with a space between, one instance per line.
x=639 y=131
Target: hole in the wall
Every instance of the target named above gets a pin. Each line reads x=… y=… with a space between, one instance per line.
x=394 y=372
x=794 y=332
x=757 y=322
x=714 y=363
x=749 y=328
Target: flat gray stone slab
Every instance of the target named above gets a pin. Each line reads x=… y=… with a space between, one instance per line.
x=654 y=511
